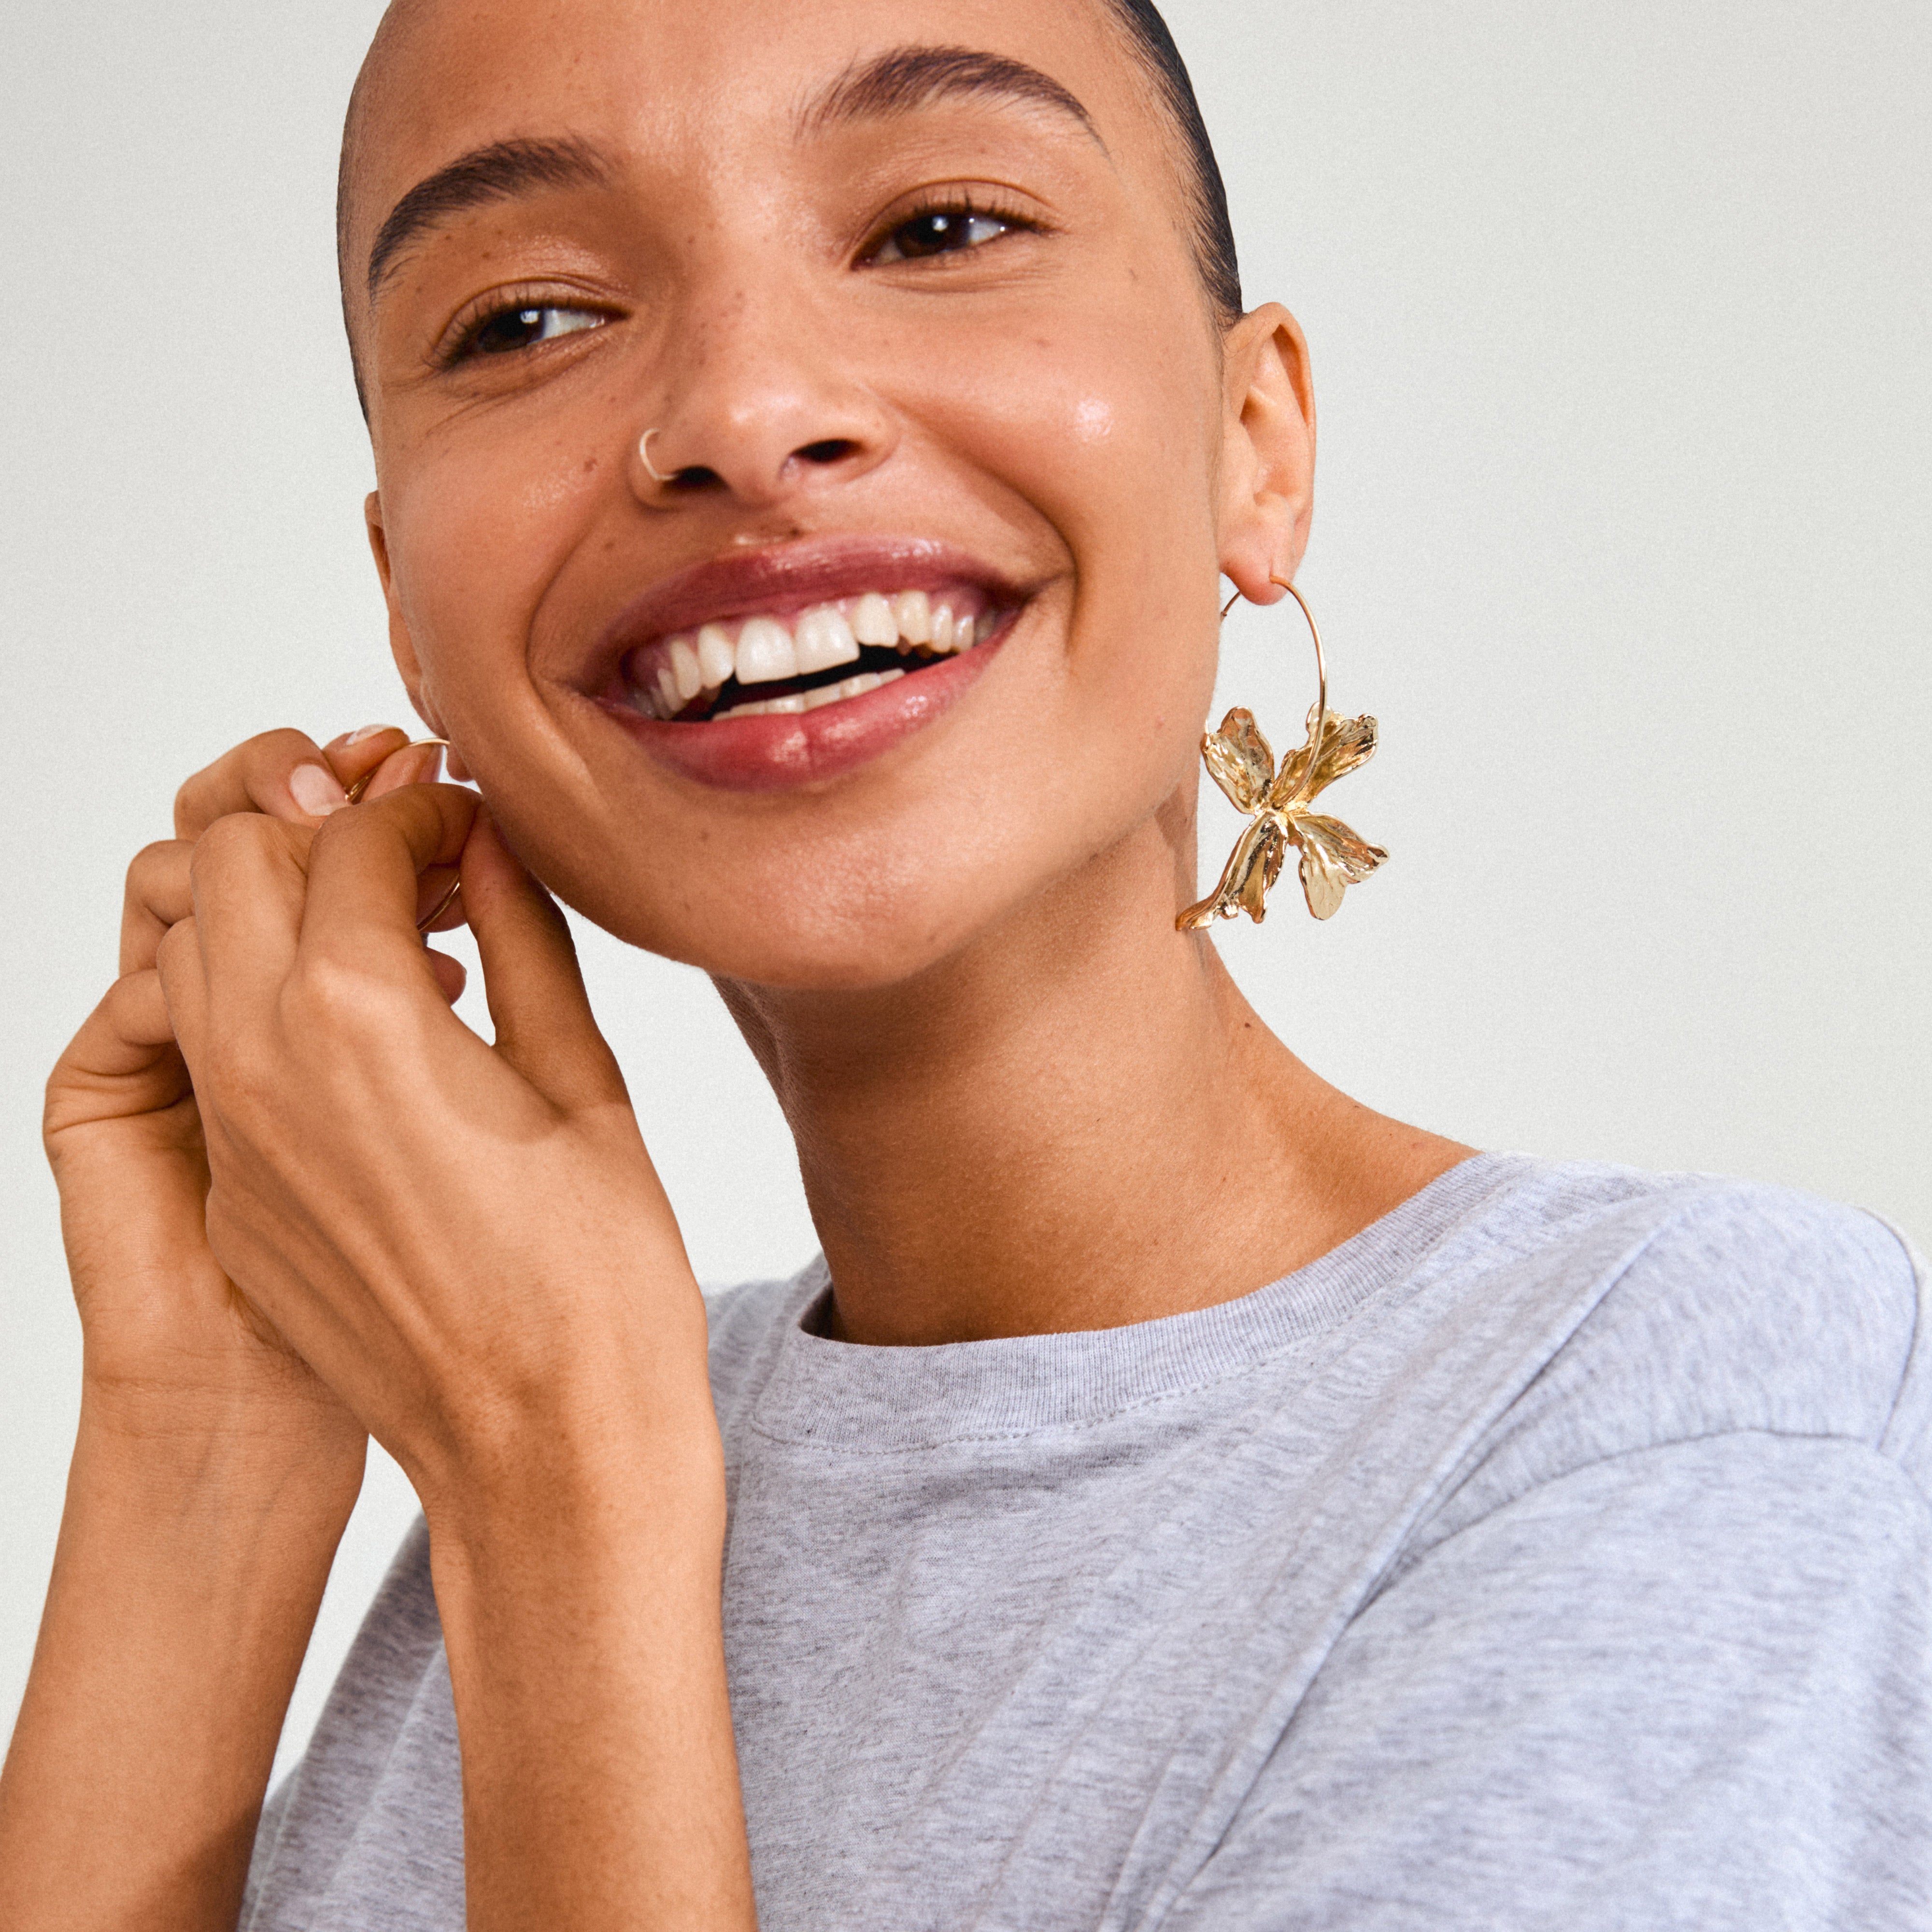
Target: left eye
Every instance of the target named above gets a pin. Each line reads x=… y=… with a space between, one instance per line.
x=940 y=231
x=521 y=328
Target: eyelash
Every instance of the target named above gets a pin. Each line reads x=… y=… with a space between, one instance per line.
x=462 y=337
x=467 y=331
x=962 y=207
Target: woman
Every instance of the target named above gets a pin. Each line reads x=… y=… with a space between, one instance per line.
x=1180 y=1496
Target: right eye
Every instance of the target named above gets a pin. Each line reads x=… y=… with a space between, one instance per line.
x=522 y=325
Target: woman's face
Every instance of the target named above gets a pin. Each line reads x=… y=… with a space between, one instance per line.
x=912 y=336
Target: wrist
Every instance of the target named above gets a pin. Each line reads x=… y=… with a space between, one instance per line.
x=625 y=1430
x=198 y=1472
x=577 y=1497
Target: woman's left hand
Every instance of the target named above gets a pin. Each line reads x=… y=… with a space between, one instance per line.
x=467 y=1242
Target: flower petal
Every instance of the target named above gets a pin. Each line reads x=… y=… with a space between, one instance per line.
x=1240 y=760
x=1253 y=866
x=1332 y=858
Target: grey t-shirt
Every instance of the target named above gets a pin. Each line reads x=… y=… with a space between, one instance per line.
x=1557 y=1553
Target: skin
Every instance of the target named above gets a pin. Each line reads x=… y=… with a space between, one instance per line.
x=1022 y=1102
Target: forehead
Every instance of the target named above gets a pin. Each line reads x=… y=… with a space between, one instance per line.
x=683 y=81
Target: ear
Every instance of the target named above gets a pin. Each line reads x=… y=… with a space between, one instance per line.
x=401 y=648
x=1267 y=468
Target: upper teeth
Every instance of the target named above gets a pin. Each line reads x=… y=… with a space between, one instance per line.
x=767 y=649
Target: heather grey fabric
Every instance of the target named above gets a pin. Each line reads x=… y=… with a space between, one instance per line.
x=1557 y=1553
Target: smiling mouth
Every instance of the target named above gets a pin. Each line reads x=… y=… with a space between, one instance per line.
x=821 y=655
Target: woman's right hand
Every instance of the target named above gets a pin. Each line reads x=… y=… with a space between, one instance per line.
x=213 y=1473
x=173 y=1354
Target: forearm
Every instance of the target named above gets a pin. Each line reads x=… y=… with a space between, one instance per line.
x=583 y=1620
x=185 y=1584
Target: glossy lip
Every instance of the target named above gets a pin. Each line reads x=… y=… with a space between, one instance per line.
x=780 y=753
x=785 y=752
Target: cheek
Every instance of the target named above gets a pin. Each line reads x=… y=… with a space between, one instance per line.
x=480 y=525
x=1110 y=437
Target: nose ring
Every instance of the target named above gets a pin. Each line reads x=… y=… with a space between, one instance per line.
x=644 y=455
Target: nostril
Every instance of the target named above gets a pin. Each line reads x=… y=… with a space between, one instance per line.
x=831 y=450
x=695 y=476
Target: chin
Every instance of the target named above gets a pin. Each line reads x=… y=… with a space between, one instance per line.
x=835 y=924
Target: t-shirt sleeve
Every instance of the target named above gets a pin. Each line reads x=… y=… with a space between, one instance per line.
x=1661 y=1656
x=1687 y=1687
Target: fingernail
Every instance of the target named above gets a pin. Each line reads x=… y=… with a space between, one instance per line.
x=316 y=791
x=367 y=731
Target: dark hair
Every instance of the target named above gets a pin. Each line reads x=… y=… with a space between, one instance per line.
x=1213 y=234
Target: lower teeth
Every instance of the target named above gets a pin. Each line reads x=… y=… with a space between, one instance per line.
x=796 y=701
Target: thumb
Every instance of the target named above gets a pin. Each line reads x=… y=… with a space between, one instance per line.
x=545 y=1026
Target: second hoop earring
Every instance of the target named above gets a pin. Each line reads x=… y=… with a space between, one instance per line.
x=361 y=785
x=1239 y=761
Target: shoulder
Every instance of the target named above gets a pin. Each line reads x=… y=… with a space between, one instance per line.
x=1748 y=1306
x=1704 y=1307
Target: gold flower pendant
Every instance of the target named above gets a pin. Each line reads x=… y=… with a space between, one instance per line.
x=1239 y=761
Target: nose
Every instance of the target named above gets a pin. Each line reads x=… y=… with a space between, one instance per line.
x=758 y=406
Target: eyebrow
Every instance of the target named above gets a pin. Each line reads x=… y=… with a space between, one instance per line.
x=497 y=172
x=900 y=81
x=906 y=79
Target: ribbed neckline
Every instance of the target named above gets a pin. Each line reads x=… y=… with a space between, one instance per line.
x=842 y=1396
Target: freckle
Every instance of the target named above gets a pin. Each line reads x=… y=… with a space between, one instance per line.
x=589 y=464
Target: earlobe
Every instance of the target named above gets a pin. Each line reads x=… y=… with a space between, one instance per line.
x=1268 y=466
x=402 y=647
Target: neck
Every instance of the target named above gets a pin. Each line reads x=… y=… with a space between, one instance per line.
x=1076 y=1123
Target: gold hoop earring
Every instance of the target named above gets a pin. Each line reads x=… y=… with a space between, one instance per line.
x=361 y=785
x=1239 y=760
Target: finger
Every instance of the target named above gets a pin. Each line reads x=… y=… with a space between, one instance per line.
x=439 y=906
x=282 y=773
x=158 y=894
x=364 y=873
x=355 y=754
x=123 y=1061
x=413 y=764
x=183 y=984
x=440 y=900
x=545 y=1026
x=249 y=880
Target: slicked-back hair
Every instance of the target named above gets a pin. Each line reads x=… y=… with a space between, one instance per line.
x=1213 y=233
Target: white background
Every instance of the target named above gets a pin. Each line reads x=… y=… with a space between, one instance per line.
x=1619 y=315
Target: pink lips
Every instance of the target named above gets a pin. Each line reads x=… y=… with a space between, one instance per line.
x=777 y=754
x=780 y=752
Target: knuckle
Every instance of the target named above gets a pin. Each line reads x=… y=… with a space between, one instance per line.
x=154 y=861
x=236 y=837
x=279 y=750
x=186 y=818
x=341 y=995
